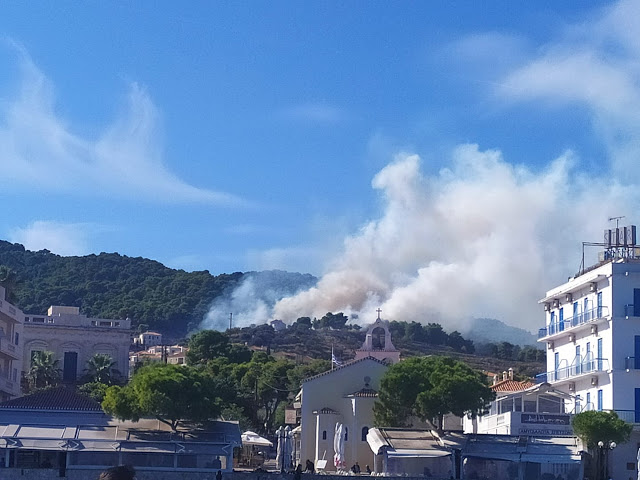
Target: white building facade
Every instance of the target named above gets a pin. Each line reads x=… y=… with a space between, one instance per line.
x=74 y=338
x=11 y=340
x=592 y=337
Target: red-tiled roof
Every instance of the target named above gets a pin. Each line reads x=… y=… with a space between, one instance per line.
x=511 y=386
x=58 y=399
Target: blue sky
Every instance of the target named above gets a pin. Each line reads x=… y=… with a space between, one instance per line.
x=246 y=135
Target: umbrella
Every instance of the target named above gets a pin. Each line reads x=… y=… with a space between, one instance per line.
x=280 y=448
x=252 y=438
x=285 y=448
x=338 y=447
x=288 y=446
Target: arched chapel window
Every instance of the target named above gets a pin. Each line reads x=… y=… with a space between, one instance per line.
x=346 y=434
x=365 y=430
x=324 y=434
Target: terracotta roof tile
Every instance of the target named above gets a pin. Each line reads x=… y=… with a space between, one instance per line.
x=511 y=386
x=58 y=399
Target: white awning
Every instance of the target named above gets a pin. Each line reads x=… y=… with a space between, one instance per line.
x=427 y=453
x=252 y=438
x=550 y=458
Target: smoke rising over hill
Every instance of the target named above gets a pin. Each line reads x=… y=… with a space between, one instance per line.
x=482 y=238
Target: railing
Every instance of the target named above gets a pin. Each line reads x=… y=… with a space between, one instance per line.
x=631 y=364
x=7 y=384
x=569 y=371
x=578 y=319
x=629 y=416
x=8 y=348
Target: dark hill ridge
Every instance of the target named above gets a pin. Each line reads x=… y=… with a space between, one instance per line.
x=110 y=285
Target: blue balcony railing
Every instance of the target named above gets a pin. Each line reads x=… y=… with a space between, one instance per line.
x=574 y=370
x=578 y=319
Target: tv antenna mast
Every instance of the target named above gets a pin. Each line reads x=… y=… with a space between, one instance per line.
x=617 y=219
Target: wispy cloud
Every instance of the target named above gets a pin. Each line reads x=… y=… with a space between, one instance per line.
x=65 y=239
x=39 y=149
x=315 y=112
x=594 y=64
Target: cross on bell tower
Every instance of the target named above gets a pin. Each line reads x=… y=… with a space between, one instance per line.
x=379 y=312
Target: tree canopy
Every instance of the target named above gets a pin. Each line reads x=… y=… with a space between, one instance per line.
x=594 y=426
x=171 y=393
x=428 y=388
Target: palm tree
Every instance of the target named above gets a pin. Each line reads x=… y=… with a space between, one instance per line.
x=100 y=369
x=44 y=371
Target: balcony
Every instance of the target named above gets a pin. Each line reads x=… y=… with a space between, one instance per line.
x=8 y=348
x=583 y=318
x=9 y=386
x=574 y=370
x=629 y=416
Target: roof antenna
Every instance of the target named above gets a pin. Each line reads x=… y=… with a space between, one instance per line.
x=617 y=219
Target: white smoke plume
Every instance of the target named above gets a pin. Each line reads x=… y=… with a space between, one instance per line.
x=481 y=239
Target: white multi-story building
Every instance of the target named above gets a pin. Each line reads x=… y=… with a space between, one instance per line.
x=592 y=337
x=11 y=325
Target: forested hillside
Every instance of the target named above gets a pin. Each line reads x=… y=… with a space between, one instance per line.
x=110 y=285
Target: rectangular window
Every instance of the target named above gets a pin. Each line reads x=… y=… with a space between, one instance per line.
x=600 y=400
x=588 y=405
x=574 y=322
x=577 y=362
x=16 y=338
x=561 y=318
x=33 y=354
x=578 y=406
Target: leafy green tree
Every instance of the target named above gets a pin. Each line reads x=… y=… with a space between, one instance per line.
x=100 y=369
x=336 y=321
x=9 y=280
x=428 y=388
x=594 y=426
x=94 y=390
x=303 y=323
x=170 y=393
x=207 y=345
x=44 y=371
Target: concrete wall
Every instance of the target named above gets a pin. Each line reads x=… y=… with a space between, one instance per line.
x=45 y=474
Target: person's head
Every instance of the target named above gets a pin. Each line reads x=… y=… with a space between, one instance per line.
x=122 y=472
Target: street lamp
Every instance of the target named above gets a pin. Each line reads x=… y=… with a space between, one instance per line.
x=603 y=458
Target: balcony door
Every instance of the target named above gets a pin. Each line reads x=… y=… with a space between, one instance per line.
x=636 y=302
x=599 y=297
x=636 y=352
x=599 y=357
x=637 y=409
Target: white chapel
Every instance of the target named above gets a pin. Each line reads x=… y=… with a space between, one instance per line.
x=345 y=395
